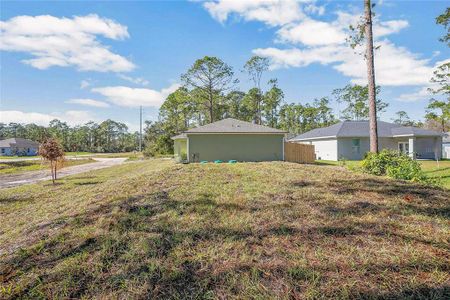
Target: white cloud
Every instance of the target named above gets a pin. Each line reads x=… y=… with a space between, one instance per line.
x=84 y=84
x=311 y=32
x=307 y=33
x=271 y=12
x=389 y=27
x=417 y=95
x=65 y=42
x=133 y=97
x=394 y=66
x=324 y=42
x=72 y=117
x=135 y=80
x=88 y=102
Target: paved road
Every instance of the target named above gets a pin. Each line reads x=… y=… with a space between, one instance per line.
x=10 y=180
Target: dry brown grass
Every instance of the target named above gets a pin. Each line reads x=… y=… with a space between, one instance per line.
x=154 y=229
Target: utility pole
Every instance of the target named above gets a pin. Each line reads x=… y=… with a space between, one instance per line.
x=140 y=128
x=373 y=130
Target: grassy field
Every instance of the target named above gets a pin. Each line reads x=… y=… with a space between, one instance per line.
x=433 y=169
x=36 y=165
x=36 y=156
x=155 y=229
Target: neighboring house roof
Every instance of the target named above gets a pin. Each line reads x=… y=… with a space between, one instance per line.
x=361 y=129
x=230 y=125
x=18 y=143
x=180 y=136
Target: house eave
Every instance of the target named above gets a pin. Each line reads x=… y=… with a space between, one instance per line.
x=314 y=138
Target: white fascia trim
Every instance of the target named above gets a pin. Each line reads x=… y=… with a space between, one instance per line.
x=403 y=135
x=316 y=138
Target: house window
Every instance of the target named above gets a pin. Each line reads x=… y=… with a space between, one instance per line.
x=403 y=147
x=356 y=146
x=3 y=151
x=28 y=150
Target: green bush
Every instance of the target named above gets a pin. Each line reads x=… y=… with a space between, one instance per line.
x=149 y=151
x=394 y=165
x=377 y=163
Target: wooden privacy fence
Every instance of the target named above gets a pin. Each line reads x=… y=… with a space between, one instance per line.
x=299 y=153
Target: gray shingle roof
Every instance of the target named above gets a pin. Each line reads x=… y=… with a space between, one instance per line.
x=233 y=126
x=19 y=143
x=361 y=129
x=180 y=136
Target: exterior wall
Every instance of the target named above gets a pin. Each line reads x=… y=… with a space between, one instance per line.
x=446 y=150
x=325 y=149
x=180 y=149
x=5 y=151
x=240 y=147
x=346 y=151
x=426 y=147
x=390 y=143
x=18 y=151
x=332 y=149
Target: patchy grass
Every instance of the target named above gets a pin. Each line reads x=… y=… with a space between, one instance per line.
x=154 y=229
x=129 y=155
x=36 y=156
x=437 y=170
x=36 y=165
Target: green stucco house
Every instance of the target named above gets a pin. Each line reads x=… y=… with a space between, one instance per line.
x=230 y=139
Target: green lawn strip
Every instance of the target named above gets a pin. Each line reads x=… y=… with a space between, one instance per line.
x=36 y=165
x=438 y=170
x=157 y=229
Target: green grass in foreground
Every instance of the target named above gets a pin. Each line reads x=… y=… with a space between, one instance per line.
x=439 y=170
x=35 y=165
x=154 y=229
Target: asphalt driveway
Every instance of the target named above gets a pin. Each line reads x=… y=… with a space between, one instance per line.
x=10 y=180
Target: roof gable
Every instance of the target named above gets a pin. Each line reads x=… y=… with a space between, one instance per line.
x=18 y=142
x=231 y=125
x=361 y=129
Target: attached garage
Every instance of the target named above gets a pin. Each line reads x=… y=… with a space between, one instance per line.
x=230 y=139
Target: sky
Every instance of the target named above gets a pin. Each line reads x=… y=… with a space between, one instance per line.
x=93 y=60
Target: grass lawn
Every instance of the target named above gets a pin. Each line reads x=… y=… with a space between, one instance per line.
x=432 y=169
x=35 y=156
x=155 y=229
x=35 y=165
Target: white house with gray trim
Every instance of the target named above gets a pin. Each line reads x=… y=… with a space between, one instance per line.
x=350 y=140
x=18 y=146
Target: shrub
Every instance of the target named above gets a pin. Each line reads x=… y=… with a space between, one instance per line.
x=394 y=165
x=377 y=163
x=149 y=151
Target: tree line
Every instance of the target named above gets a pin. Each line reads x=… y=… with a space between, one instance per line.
x=108 y=136
x=210 y=93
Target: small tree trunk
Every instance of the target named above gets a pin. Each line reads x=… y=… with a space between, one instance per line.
x=52 y=171
x=371 y=79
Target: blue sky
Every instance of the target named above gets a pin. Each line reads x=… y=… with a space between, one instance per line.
x=96 y=60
